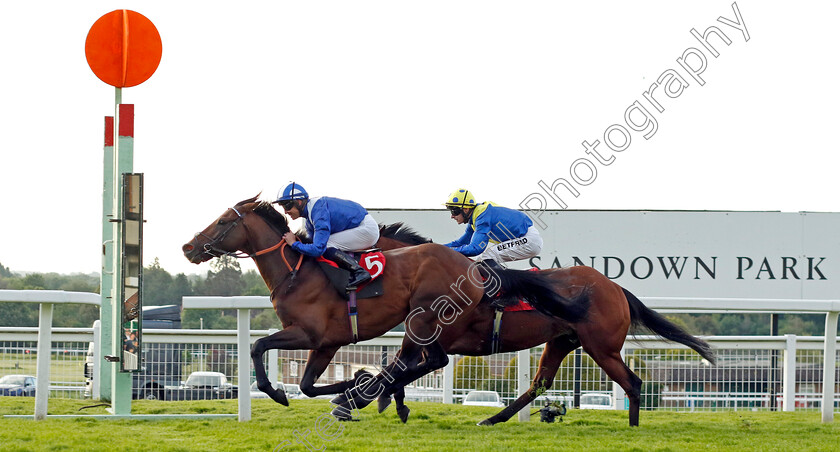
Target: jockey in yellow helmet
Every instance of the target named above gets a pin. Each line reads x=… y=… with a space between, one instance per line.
x=493 y=232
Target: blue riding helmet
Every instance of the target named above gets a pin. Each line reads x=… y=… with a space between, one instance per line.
x=292 y=191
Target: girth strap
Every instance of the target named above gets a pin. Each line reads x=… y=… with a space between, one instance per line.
x=353 y=313
x=496 y=339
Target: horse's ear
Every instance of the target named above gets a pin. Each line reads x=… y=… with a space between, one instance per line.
x=250 y=203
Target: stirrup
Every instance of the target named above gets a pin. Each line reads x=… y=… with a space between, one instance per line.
x=362 y=278
x=497 y=304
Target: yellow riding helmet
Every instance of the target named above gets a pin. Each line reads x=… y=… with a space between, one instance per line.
x=462 y=198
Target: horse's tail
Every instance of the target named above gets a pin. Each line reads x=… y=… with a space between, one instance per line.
x=539 y=291
x=642 y=316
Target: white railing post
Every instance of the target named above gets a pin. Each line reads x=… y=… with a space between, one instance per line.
x=829 y=361
x=789 y=374
x=449 y=380
x=523 y=377
x=97 y=355
x=243 y=339
x=42 y=386
x=273 y=371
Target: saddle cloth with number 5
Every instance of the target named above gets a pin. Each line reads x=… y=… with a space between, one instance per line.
x=371 y=260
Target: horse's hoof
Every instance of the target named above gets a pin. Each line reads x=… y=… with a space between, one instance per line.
x=485 y=422
x=342 y=414
x=279 y=396
x=403 y=413
x=339 y=399
x=384 y=403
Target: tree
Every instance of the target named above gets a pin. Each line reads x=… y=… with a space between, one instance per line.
x=254 y=284
x=207 y=319
x=26 y=314
x=180 y=288
x=157 y=285
x=470 y=372
x=75 y=315
x=265 y=320
x=511 y=369
x=5 y=272
x=224 y=278
x=18 y=314
x=34 y=281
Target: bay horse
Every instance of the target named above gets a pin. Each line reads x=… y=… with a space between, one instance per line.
x=612 y=312
x=314 y=315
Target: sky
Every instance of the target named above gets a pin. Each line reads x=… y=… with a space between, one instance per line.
x=396 y=104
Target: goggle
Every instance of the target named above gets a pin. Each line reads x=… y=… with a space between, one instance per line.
x=456 y=211
x=286 y=205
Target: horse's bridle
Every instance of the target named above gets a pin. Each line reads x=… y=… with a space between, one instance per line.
x=210 y=247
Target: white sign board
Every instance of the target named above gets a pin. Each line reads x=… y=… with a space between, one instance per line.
x=680 y=253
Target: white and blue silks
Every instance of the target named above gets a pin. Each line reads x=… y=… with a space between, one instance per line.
x=336 y=223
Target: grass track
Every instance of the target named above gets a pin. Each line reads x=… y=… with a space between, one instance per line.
x=432 y=427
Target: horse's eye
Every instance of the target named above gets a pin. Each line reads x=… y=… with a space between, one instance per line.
x=221 y=222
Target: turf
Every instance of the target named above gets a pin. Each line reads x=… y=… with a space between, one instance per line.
x=432 y=427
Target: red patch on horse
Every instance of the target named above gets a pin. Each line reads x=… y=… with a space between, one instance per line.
x=373 y=262
x=522 y=305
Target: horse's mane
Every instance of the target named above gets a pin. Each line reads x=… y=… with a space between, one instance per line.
x=275 y=219
x=267 y=212
x=401 y=232
x=397 y=231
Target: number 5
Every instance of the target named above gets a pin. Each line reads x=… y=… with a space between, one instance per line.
x=372 y=263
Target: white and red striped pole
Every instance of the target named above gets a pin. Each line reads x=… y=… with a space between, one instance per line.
x=123 y=163
x=107 y=260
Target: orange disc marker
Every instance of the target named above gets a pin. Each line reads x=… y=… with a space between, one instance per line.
x=123 y=48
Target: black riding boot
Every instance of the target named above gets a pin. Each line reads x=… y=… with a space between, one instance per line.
x=358 y=275
x=496 y=302
x=491 y=264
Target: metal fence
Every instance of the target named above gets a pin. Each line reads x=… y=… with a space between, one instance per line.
x=752 y=372
x=19 y=351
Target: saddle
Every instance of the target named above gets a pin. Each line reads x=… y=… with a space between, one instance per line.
x=499 y=301
x=371 y=260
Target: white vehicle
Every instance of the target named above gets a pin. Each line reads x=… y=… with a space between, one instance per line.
x=214 y=380
x=257 y=394
x=293 y=391
x=595 y=401
x=483 y=398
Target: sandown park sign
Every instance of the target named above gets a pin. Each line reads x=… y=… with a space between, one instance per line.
x=680 y=253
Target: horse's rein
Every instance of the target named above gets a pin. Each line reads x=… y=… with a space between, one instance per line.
x=281 y=245
x=292 y=271
x=209 y=248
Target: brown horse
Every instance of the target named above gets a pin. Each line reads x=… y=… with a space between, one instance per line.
x=613 y=311
x=314 y=315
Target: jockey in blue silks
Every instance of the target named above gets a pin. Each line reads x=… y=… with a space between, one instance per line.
x=494 y=233
x=335 y=226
